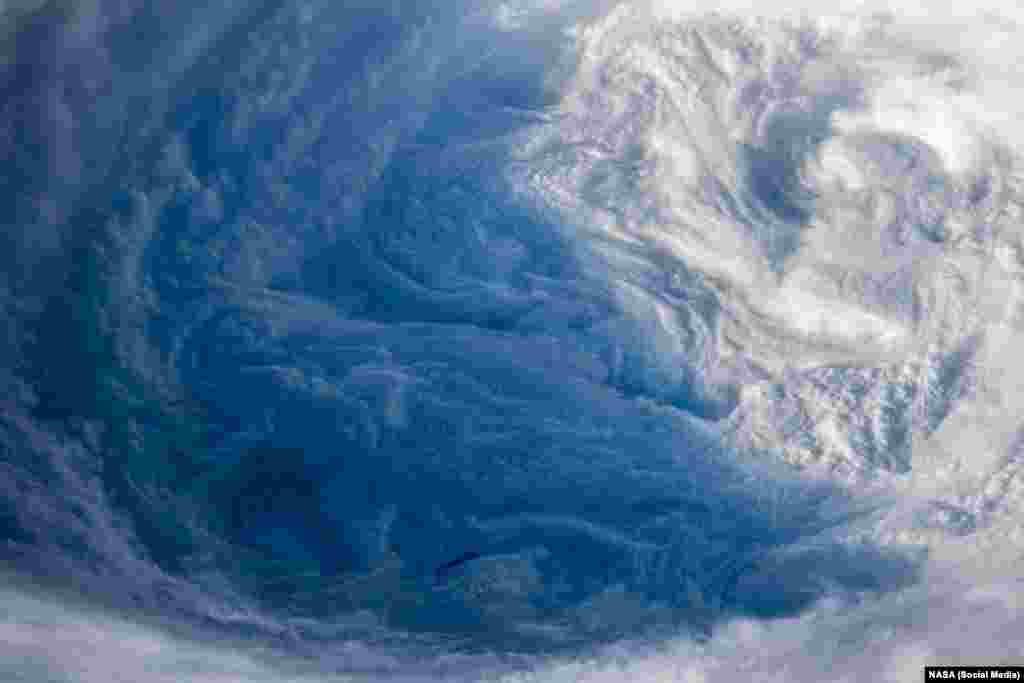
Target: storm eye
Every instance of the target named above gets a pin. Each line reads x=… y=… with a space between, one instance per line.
x=775 y=166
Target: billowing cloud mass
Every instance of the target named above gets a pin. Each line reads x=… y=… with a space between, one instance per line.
x=519 y=342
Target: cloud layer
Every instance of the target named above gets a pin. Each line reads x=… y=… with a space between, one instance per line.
x=615 y=341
